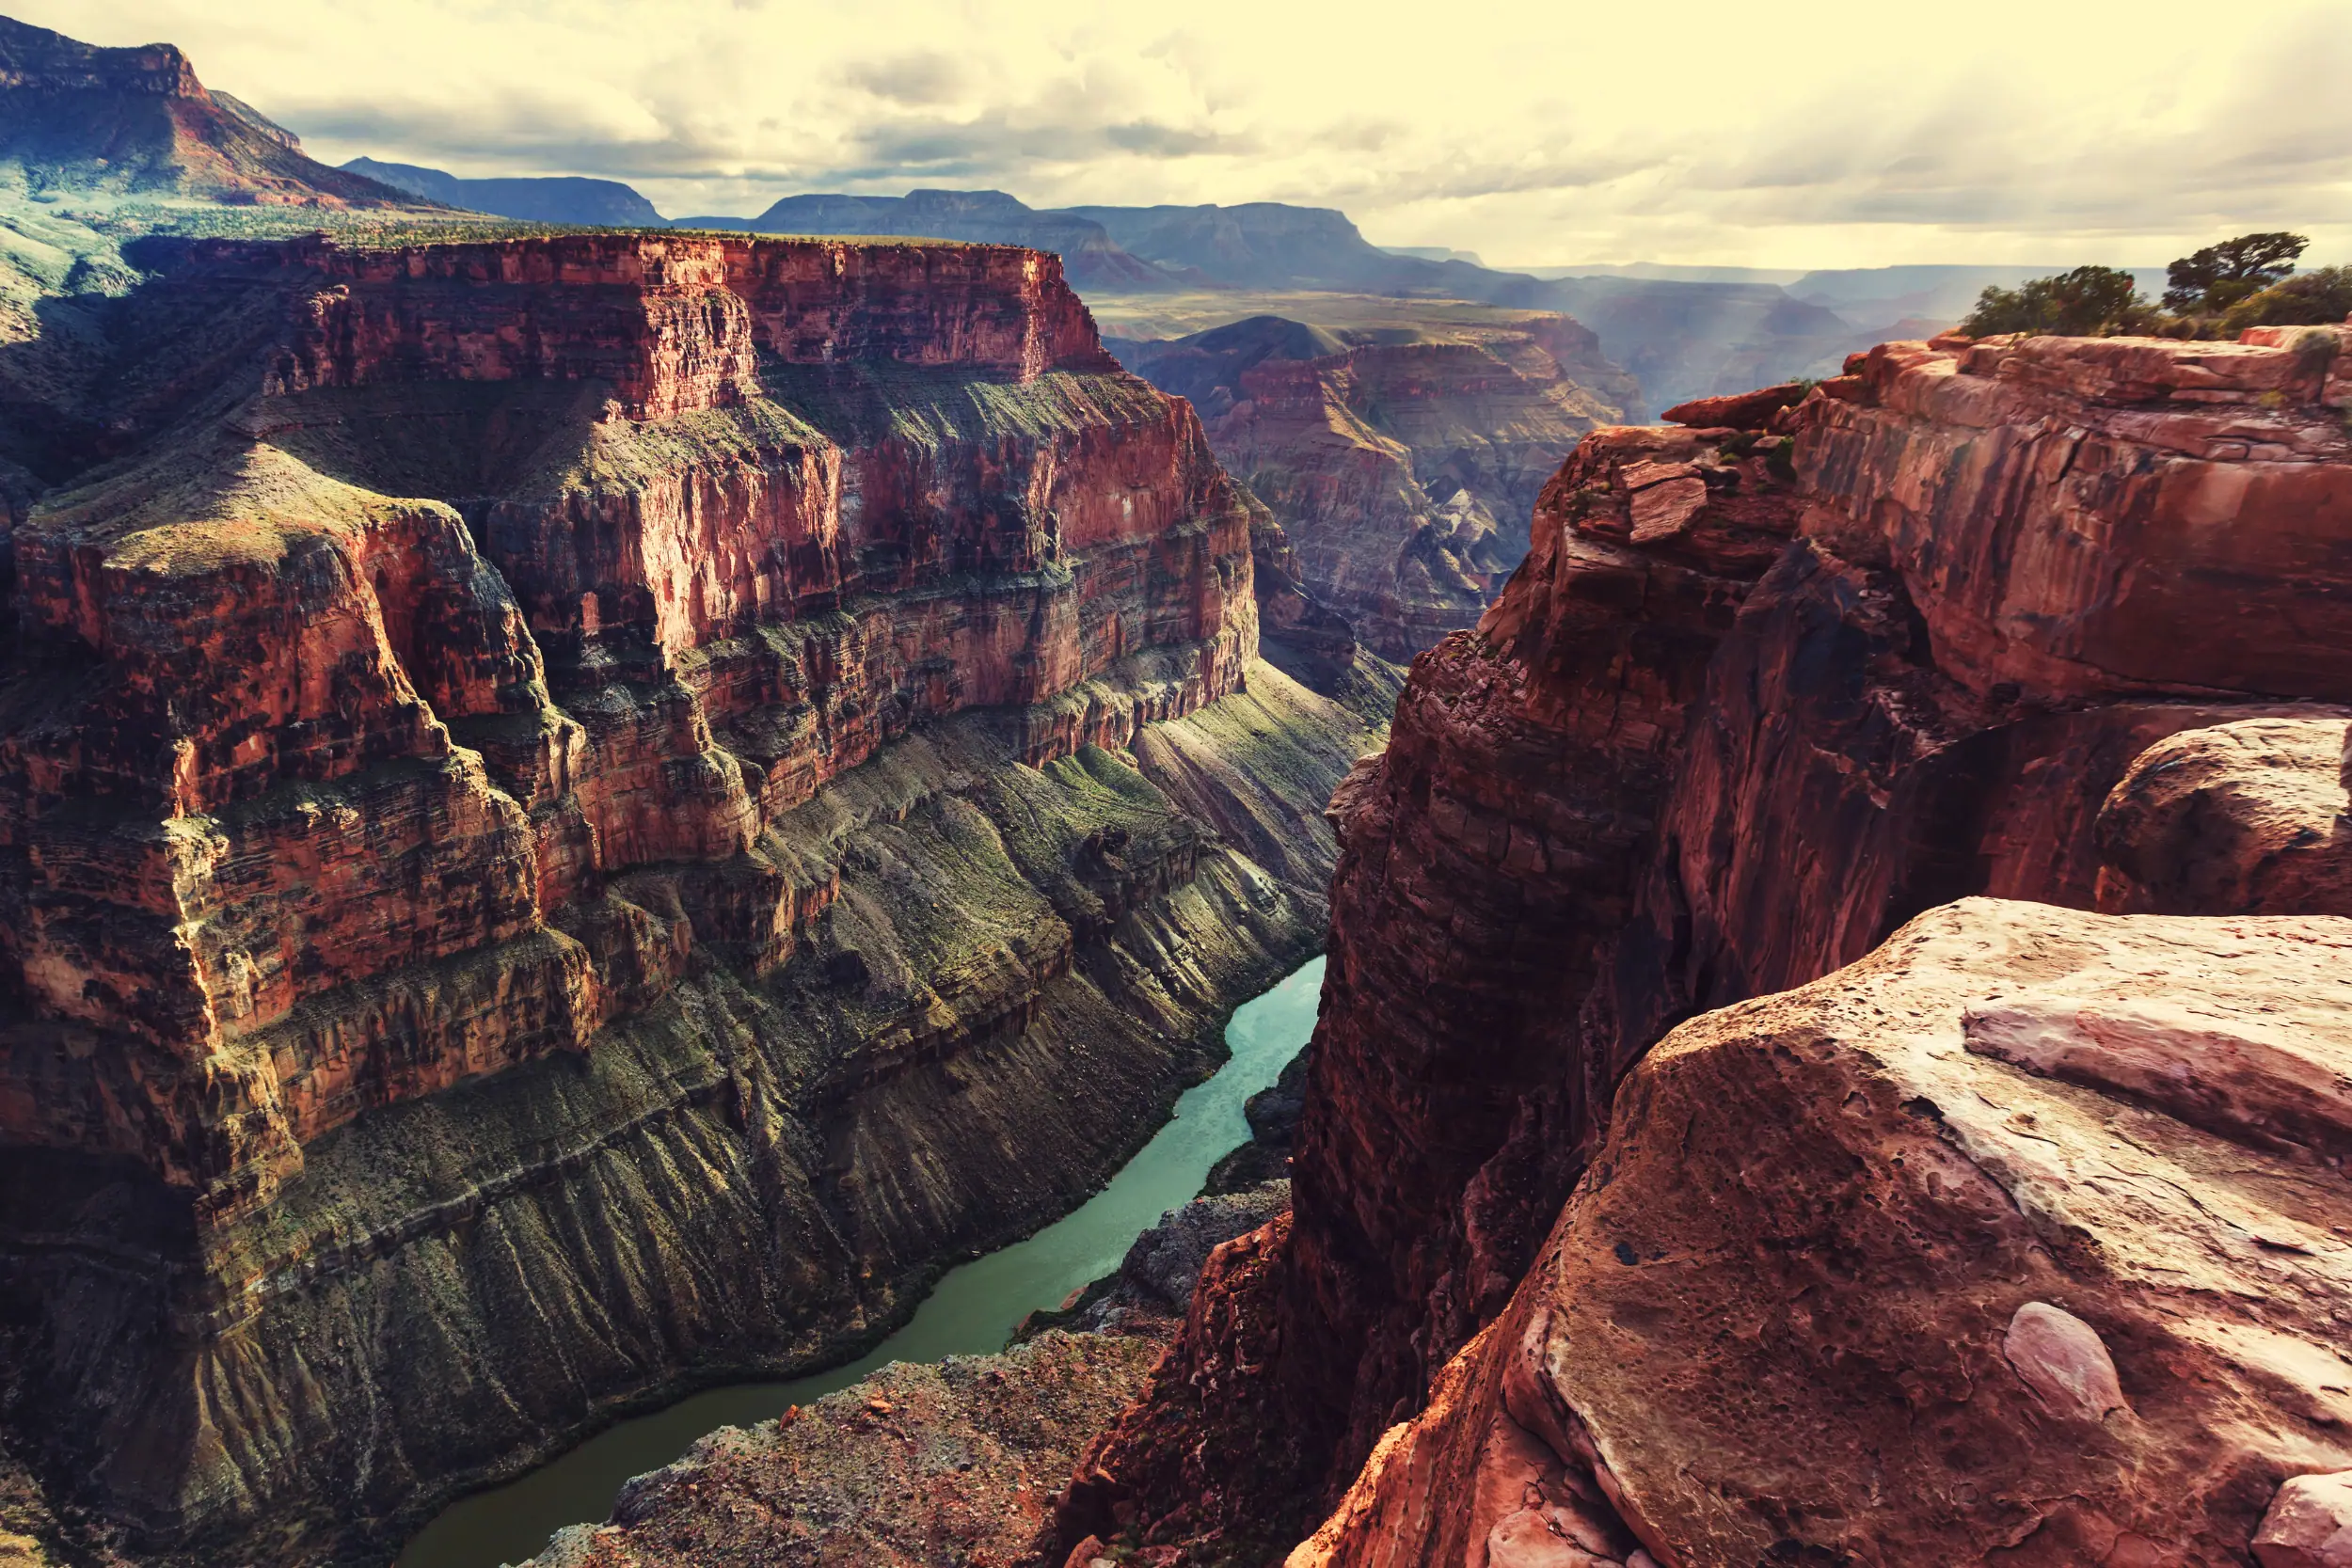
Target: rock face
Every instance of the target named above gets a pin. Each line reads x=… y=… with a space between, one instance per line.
x=76 y=116
x=1853 y=1279
x=1746 y=710
x=1399 y=464
x=587 y=811
x=1514 y=809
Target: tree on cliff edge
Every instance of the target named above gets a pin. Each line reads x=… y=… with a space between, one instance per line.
x=2219 y=276
x=2088 y=302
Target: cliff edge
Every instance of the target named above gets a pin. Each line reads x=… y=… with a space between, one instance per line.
x=2051 y=621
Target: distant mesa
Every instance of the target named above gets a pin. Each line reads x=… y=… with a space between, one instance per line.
x=1207 y=364
x=1433 y=253
x=554 y=198
x=137 y=121
x=1259 y=244
x=1272 y=245
x=1090 y=258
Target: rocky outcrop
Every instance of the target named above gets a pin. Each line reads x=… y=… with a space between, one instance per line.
x=74 y=116
x=1989 y=1248
x=1756 y=700
x=963 y=1460
x=2244 y=818
x=1400 y=463
x=1149 y=1290
x=1273 y=1114
x=578 y=814
x=954 y=1462
x=1201 y=1465
x=1514 y=809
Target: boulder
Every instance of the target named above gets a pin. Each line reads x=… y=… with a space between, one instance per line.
x=1838 y=1288
x=2248 y=817
x=2309 y=1524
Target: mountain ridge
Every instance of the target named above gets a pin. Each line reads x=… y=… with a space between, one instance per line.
x=564 y=198
x=139 y=120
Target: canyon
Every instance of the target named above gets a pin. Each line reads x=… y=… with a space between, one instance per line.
x=1832 y=998
x=1398 y=459
x=582 y=815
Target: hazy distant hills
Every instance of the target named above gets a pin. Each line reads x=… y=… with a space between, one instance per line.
x=1687 y=339
x=1708 y=330
x=1271 y=244
x=138 y=122
x=552 y=198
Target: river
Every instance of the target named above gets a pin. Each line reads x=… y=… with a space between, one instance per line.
x=972 y=1312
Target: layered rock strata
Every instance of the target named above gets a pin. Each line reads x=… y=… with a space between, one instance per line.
x=1401 y=463
x=1757 y=699
x=583 y=813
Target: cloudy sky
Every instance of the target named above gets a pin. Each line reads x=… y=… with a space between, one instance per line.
x=1819 y=133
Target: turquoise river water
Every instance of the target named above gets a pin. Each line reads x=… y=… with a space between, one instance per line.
x=972 y=1312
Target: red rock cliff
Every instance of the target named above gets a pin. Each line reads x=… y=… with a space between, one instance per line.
x=688 y=660
x=270 y=627
x=1744 y=711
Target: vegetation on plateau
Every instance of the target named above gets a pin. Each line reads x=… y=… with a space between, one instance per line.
x=2216 y=293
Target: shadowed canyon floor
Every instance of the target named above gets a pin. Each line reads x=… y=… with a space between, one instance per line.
x=1135 y=1285
x=959 y=1462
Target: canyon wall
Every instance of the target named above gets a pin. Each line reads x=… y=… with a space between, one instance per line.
x=581 y=815
x=1402 y=461
x=1769 y=688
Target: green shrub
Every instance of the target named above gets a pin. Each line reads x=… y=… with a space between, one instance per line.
x=2318 y=299
x=2086 y=302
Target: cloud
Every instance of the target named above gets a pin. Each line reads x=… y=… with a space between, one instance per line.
x=919 y=79
x=1531 y=131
